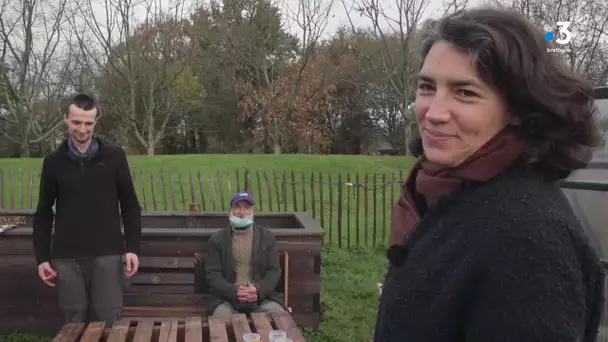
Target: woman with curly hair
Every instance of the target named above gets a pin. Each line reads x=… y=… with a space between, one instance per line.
x=484 y=245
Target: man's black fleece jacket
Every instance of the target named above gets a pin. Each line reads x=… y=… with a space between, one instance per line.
x=87 y=196
x=501 y=261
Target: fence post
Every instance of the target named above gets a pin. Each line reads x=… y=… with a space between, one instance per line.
x=247 y=180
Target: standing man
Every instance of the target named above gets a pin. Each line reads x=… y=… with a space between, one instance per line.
x=243 y=267
x=87 y=180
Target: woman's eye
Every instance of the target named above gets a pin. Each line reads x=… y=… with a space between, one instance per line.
x=425 y=87
x=466 y=93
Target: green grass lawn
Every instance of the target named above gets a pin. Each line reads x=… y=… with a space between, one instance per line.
x=349 y=276
x=319 y=186
x=348 y=296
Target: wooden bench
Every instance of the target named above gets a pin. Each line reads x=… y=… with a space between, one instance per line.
x=177 y=287
x=163 y=287
x=190 y=329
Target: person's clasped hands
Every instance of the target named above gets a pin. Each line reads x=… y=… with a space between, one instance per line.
x=247 y=293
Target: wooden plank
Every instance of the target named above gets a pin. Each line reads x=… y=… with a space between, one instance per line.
x=202 y=190
x=181 y=190
x=192 y=195
x=11 y=186
x=375 y=208
x=340 y=212
x=172 y=189
x=164 y=189
x=260 y=200
x=321 y=212
x=70 y=332
x=165 y=328
x=277 y=191
x=262 y=325
x=284 y=322
x=168 y=331
x=152 y=190
x=284 y=190
x=161 y=289
x=166 y=262
x=304 y=208
x=163 y=278
x=330 y=185
x=131 y=299
x=294 y=192
x=194 y=329
x=212 y=193
x=119 y=332
x=268 y=189
x=143 y=331
x=143 y=190
x=240 y=326
x=312 y=195
x=166 y=311
x=31 y=190
x=357 y=209
x=247 y=181
x=217 y=330
x=173 y=331
x=93 y=332
x=348 y=181
x=365 y=209
x=221 y=189
x=383 y=208
x=200 y=225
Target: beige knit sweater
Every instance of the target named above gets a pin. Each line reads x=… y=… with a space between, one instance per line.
x=242 y=241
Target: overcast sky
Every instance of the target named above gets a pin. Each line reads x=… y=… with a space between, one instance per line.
x=338 y=15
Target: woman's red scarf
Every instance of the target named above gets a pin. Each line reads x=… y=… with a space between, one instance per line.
x=434 y=181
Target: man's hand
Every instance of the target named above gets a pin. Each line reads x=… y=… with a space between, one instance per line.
x=247 y=293
x=132 y=264
x=241 y=293
x=46 y=273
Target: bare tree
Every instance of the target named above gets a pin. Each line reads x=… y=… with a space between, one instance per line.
x=138 y=64
x=311 y=17
x=30 y=68
x=394 y=28
x=450 y=6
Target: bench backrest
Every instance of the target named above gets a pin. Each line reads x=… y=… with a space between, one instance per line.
x=177 y=286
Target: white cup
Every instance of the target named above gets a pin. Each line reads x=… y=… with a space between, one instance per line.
x=276 y=335
x=283 y=339
x=250 y=337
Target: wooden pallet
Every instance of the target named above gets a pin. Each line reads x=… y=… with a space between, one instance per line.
x=192 y=329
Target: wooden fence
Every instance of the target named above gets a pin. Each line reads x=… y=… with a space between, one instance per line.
x=353 y=209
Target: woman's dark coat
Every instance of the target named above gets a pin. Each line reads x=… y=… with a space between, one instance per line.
x=500 y=261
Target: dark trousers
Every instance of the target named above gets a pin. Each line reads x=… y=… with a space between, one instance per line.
x=90 y=289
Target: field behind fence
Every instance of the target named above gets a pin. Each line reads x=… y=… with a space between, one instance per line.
x=353 y=208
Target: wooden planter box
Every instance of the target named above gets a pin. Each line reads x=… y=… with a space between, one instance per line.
x=166 y=277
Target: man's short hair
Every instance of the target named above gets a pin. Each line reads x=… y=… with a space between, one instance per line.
x=83 y=101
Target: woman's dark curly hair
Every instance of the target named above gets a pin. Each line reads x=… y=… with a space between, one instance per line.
x=555 y=106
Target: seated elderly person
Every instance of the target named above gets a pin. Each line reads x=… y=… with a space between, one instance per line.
x=243 y=266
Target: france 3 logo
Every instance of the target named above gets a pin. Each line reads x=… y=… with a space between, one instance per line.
x=563 y=36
